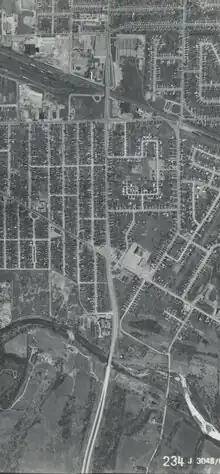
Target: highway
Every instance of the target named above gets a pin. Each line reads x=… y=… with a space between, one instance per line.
x=53 y=80
x=23 y=325
x=112 y=294
x=44 y=77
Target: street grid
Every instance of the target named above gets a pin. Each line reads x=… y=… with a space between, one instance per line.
x=157 y=208
x=54 y=186
x=71 y=185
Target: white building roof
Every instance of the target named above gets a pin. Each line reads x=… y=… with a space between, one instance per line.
x=135 y=260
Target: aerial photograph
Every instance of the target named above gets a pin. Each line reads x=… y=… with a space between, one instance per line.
x=110 y=236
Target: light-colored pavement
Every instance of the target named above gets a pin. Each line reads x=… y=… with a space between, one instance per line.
x=112 y=294
x=43 y=76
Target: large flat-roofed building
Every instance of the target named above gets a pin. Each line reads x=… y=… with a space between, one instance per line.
x=92 y=22
x=130 y=46
x=135 y=261
x=8 y=23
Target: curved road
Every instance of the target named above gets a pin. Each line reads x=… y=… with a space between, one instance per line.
x=112 y=293
x=27 y=69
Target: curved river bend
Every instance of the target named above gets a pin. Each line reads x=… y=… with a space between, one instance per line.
x=207 y=428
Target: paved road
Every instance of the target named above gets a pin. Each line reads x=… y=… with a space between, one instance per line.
x=112 y=294
x=22 y=67
x=47 y=78
x=22 y=326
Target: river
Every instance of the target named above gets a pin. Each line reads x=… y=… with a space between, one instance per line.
x=206 y=427
x=22 y=326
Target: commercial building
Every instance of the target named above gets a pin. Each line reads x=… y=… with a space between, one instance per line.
x=130 y=45
x=135 y=262
x=8 y=23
